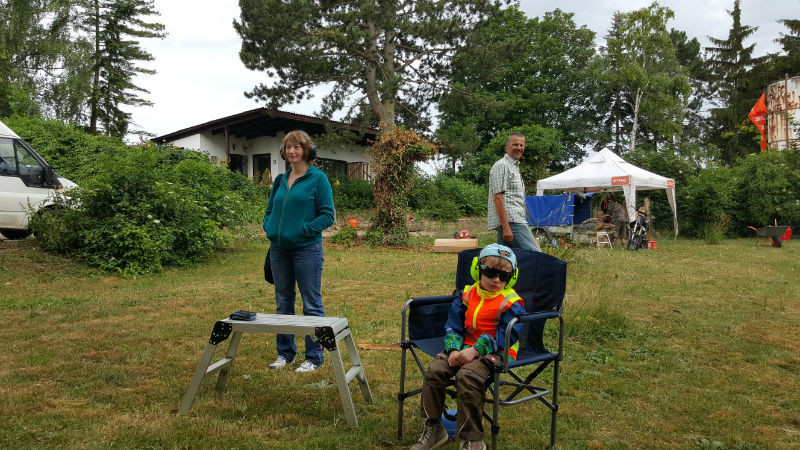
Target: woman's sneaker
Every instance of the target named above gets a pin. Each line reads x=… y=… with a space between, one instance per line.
x=433 y=435
x=307 y=366
x=280 y=363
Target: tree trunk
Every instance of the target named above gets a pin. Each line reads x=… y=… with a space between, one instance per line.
x=637 y=100
x=95 y=96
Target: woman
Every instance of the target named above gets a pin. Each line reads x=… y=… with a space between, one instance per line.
x=300 y=206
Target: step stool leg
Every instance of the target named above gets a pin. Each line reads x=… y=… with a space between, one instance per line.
x=344 y=389
x=199 y=375
x=224 y=374
x=355 y=361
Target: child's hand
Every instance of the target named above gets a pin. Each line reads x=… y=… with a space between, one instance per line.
x=456 y=359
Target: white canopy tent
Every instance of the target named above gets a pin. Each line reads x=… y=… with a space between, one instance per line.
x=607 y=172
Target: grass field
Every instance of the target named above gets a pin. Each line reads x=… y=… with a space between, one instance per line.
x=688 y=346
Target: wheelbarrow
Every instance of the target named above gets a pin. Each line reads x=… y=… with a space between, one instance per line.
x=774 y=233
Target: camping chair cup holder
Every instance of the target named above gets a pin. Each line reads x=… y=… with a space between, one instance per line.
x=541 y=284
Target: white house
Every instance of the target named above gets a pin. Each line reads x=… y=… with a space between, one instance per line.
x=250 y=143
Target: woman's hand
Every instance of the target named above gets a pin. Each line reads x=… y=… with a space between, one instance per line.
x=456 y=359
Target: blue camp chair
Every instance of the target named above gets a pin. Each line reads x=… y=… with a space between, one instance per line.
x=541 y=284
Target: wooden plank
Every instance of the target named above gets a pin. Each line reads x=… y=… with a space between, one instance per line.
x=453 y=245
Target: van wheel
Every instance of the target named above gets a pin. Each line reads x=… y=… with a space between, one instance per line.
x=15 y=234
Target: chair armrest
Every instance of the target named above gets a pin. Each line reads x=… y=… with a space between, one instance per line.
x=530 y=317
x=419 y=301
x=539 y=315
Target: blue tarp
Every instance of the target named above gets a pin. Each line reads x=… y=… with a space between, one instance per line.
x=558 y=210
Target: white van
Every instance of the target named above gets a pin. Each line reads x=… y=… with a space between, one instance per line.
x=25 y=179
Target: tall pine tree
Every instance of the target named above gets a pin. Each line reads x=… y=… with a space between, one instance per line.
x=789 y=62
x=114 y=28
x=736 y=87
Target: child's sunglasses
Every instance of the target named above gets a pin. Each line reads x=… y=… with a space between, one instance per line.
x=491 y=272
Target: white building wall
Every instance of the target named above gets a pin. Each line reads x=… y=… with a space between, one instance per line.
x=214 y=147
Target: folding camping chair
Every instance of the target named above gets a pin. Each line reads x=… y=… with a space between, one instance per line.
x=541 y=284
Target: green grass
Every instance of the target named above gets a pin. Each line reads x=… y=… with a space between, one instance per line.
x=688 y=346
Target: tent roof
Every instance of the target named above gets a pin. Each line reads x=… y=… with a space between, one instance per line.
x=604 y=171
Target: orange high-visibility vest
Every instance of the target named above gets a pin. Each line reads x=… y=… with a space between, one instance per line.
x=483 y=314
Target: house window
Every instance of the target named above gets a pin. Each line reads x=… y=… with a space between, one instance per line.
x=334 y=168
x=238 y=164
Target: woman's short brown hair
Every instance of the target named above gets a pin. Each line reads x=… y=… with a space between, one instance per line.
x=298 y=137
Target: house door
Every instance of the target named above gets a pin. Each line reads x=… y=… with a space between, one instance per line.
x=262 y=166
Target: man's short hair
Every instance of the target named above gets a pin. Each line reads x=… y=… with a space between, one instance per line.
x=515 y=134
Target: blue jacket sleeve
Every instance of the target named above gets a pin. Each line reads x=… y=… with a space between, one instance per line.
x=267 y=213
x=323 y=203
x=454 y=328
x=515 y=310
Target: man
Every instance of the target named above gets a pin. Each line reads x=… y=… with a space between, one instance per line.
x=507 y=212
x=619 y=219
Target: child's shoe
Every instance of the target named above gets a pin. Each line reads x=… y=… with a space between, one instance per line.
x=433 y=435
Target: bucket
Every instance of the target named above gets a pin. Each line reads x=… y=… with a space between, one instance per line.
x=651 y=243
x=449 y=425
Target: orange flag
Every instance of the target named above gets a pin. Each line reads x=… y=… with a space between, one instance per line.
x=758 y=115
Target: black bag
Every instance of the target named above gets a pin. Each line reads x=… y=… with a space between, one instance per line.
x=268 y=270
x=243 y=315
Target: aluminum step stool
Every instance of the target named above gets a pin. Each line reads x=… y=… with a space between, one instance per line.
x=329 y=331
x=603 y=239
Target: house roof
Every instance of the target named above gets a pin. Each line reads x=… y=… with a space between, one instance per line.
x=263 y=122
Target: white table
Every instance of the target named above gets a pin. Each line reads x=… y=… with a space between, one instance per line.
x=329 y=331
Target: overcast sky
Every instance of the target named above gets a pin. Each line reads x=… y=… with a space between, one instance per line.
x=200 y=77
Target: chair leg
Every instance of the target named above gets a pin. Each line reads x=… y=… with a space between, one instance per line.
x=400 y=395
x=496 y=411
x=555 y=406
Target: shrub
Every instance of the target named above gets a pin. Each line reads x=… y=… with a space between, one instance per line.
x=542 y=149
x=139 y=212
x=442 y=209
x=714 y=232
x=352 y=195
x=346 y=235
x=470 y=198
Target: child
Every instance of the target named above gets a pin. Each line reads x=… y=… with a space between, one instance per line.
x=476 y=328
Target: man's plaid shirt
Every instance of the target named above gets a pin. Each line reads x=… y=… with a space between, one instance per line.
x=505 y=177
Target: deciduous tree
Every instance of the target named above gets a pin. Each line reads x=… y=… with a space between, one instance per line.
x=517 y=71
x=640 y=62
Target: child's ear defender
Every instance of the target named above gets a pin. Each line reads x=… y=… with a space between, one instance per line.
x=475 y=271
x=513 y=279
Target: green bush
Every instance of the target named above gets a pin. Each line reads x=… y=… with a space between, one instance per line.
x=346 y=235
x=447 y=197
x=141 y=211
x=470 y=198
x=543 y=149
x=352 y=195
x=756 y=191
x=442 y=209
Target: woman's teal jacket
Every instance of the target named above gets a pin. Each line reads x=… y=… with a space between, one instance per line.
x=296 y=216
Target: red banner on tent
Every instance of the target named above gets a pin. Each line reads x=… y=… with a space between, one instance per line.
x=620 y=180
x=758 y=115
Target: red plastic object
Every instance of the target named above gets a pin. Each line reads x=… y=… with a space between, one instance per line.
x=652 y=244
x=788 y=235
x=353 y=223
